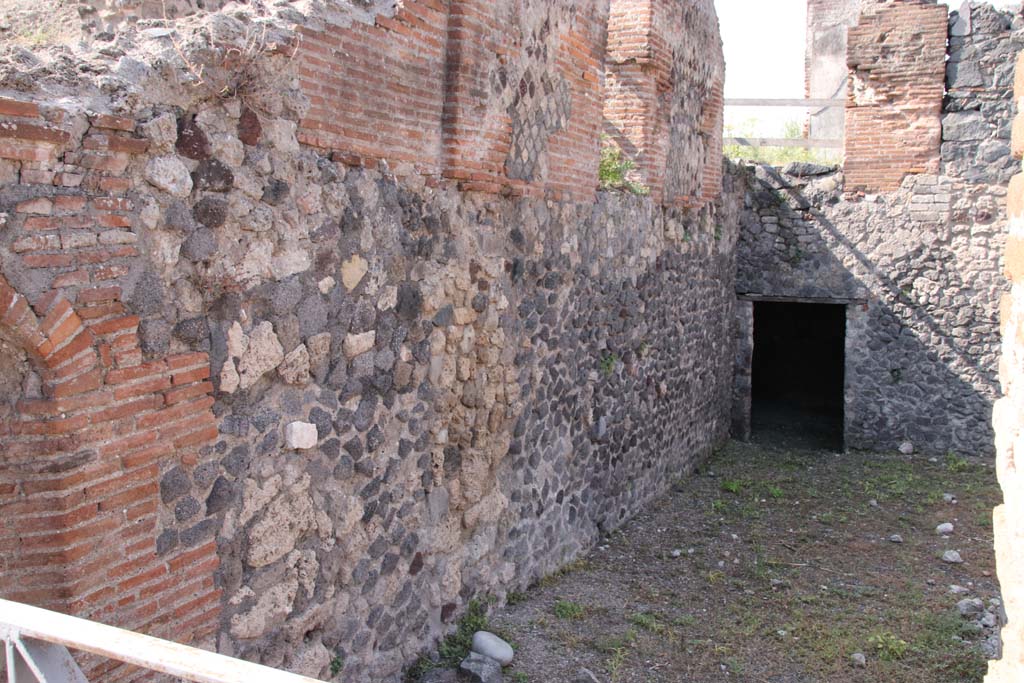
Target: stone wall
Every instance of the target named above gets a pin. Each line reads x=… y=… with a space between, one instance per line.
x=1009 y=425
x=346 y=390
x=919 y=265
x=109 y=16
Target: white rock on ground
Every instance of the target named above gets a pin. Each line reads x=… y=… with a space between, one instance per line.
x=492 y=646
x=300 y=435
x=859 y=660
x=952 y=557
x=907 y=448
x=944 y=529
x=896 y=538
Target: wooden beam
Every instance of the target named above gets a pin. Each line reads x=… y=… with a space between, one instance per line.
x=785 y=142
x=810 y=104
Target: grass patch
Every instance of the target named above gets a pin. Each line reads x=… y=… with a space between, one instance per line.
x=553 y=578
x=956 y=464
x=888 y=647
x=732 y=485
x=567 y=609
x=515 y=597
x=648 y=622
x=456 y=646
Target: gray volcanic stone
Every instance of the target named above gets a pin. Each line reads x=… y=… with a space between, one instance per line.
x=276 y=192
x=363 y=417
x=154 y=336
x=192 y=141
x=207 y=473
x=965 y=126
x=213 y=175
x=440 y=676
x=481 y=669
x=200 y=532
x=410 y=301
x=802 y=169
x=174 y=485
x=211 y=211
x=220 y=496
x=970 y=607
x=286 y=296
x=179 y=217
x=166 y=541
x=199 y=246
x=148 y=296
x=443 y=318
x=374 y=439
x=193 y=330
x=186 y=508
x=322 y=419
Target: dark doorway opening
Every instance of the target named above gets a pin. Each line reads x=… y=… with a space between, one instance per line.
x=797 y=374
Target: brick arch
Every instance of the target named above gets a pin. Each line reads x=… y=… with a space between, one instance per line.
x=80 y=510
x=39 y=338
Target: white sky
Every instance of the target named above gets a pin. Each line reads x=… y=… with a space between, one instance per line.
x=764 y=55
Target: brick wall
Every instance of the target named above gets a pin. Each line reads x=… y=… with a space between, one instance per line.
x=896 y=56
x=196 y=230
x=95 y=425
x=376 y=88
x=73 y=218
x=499 y=96
x=1009 y=425
x=523 y=104
x=663 y=100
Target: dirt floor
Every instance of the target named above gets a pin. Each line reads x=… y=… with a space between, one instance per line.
x=779 y=565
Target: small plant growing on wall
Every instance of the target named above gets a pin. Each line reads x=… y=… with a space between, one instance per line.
x=337 y=664
x=608 y=363
x=613 y=171
x=241 y=65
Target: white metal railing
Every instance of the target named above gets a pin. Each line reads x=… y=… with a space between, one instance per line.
x=37 y=641
x=805 y=143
